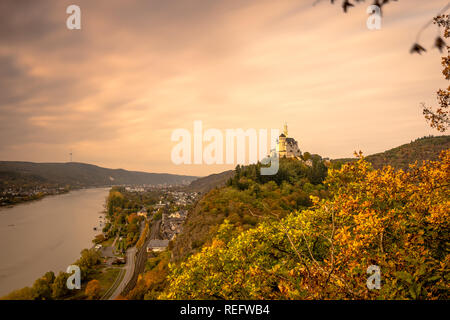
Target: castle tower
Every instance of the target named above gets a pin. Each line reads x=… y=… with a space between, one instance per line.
x=282 y=142
x=288 y=147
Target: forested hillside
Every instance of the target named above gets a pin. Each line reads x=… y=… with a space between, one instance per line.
x=311 y=231
x=205 y=184
x=395 y=221
x=247 y=197
x=425 y=148
x=78 y=175
x=242 y=204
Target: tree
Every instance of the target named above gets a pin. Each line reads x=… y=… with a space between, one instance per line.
x=21 y=294
x=59 y=286
x=49 y=276
x=151 y=283
x=306 y=156
x=93 y=289
x=42 y=287
x=396 y=220
x=439 y=118
x=99 y=238
x=347 y=4
x=89 y=258
x=115 y=201
x=133 y=218
x=143 y=236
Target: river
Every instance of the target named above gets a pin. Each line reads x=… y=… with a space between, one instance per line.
x=47 y=235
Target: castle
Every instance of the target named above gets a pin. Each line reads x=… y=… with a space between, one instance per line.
x=288 y=147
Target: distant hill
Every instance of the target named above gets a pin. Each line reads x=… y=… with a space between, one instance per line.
x=426 y=148
x=79 y=175
x=207 y=183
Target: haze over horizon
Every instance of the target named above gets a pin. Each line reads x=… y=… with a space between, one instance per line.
x=114 y=91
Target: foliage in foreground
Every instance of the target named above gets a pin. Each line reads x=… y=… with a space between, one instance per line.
x=247 y=196
x=153 y=281
x=394 y=219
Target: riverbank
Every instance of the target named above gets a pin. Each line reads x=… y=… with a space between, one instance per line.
x=47 y=235
x=11 y=198
x=8 y=200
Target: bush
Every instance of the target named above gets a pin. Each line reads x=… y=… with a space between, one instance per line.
x=396 y=220
x=93 y=289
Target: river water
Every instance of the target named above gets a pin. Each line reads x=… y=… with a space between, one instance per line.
x=47 y=235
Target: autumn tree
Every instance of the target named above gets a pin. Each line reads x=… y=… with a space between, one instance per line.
x=25 y=293
x=93 y=289
x=439 y=118
x=143 y=236
x=99 y=238
x=115 y=201
x=89 y=258
x=42 y=288
x=396 y=220
x=346 y=5
x=59 y=286
x=152 y=282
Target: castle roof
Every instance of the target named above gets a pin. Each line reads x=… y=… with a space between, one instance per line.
x=290 y=140
x=282 y=135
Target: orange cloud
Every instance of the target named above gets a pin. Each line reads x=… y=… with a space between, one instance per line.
x=114 y=91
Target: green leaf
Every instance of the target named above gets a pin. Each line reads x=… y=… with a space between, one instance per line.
x=405 y=276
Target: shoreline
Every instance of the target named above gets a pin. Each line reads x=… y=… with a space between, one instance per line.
x=88 y=242
x=44 y=196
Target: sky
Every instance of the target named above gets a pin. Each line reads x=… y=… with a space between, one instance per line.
x=115 y=90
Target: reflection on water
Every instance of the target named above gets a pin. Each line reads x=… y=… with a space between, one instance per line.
x=46 y=235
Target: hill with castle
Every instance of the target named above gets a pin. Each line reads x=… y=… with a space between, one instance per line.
x=425 y=148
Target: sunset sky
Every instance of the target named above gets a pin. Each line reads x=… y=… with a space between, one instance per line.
x=114 y=91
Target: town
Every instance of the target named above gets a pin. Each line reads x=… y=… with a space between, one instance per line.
x=139 y=224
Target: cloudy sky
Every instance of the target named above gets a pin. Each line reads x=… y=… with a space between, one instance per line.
x=114 y=91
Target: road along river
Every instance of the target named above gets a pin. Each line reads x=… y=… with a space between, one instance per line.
x=47 y=235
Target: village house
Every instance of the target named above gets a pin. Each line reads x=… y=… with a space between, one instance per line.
x=142 y=213
x=159 y=205
x=157 y=245
x=172 y=224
